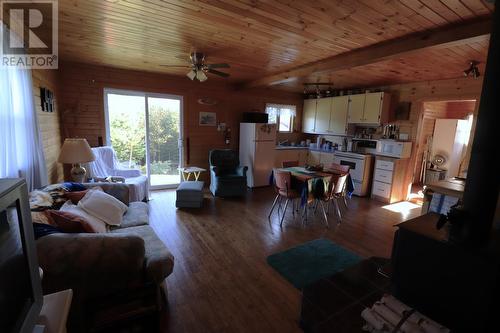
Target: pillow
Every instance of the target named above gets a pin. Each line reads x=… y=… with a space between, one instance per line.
x=41 y=230
x=40 y=200
x=97 y=224
x=40 y=218
x=73 y=187
x=103 y=206
x=69 y=222
x=76 y=196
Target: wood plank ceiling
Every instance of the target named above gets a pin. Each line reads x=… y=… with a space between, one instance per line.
x=259 y=38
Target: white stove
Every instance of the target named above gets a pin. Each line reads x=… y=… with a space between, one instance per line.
x=361 y=166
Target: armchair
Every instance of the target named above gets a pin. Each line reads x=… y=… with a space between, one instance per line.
x=227 y=177
x=106 y=164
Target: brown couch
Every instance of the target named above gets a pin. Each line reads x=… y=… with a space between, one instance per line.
x=109 y=273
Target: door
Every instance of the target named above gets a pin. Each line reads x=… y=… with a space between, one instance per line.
x=338 y=116
x=164 y=140
x=309 y=117
x=356 y=108
x=145 y=130
x=373 y=107
x=323 y=109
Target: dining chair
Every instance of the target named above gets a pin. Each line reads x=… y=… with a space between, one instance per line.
x=337 y=193
x=323 y=196
x=289 y=164
x=341 y=169
x=282 y=182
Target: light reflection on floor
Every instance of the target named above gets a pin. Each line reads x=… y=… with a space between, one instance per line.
x=403 y=207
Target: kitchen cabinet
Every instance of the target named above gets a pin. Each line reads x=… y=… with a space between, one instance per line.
x=373 y=107
x=356 y=108
x=326 y=158
x=369 y=108
x=309 y=116
x=323 y=111
x=314 y=157
x=320 y=157
x=332 y=114
x=338 y=115
x=292 y=154
x=388 y=179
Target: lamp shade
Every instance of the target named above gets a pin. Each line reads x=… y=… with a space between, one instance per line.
x=75 y=151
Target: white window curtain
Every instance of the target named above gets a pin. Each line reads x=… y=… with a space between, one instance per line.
x=276 y=110
x=21 y=151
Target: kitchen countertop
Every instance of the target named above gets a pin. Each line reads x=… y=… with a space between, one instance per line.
x=346 y=153
x=450 y=186
x=290 y=147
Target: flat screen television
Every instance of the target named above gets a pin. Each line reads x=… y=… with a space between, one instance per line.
x=20 y=286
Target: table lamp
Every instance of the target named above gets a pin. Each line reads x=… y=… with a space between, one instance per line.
x=76 y=151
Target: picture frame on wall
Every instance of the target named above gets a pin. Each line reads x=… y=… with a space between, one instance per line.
x=208 y=119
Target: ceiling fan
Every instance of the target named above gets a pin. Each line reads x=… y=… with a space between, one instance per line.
x=199 y=68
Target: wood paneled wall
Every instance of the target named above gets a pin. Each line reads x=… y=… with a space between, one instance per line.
x=49 y=123
x=460 y=109
x=82 y=104
x=420 y=92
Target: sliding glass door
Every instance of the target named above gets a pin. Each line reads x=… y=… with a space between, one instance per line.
x=146 y=132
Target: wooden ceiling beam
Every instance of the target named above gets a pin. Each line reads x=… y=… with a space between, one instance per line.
x=457 y=34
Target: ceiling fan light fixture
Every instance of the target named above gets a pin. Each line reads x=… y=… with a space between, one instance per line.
x=472 y=70
x=191 y=74
x=201 y=76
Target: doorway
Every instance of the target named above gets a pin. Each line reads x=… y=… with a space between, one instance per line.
x=439 y=133
x=145 y=130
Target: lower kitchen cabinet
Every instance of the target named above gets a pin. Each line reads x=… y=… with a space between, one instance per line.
x=320 y=157
x=314 y=157
x=389 y=179
x=290 y=155
x=326 y=158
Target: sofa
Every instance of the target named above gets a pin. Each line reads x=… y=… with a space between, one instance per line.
x=106 y=164
x=227 y=177
x=128 y=264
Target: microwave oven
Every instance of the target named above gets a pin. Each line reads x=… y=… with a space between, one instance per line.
x=393 y=148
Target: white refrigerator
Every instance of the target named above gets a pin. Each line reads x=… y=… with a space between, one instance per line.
x=257 y=149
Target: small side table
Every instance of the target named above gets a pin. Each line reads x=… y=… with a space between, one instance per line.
x=188 y=171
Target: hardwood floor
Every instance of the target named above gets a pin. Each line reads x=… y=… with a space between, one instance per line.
x=221 y=281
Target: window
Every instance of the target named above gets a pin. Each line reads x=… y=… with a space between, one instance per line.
x=283 y=115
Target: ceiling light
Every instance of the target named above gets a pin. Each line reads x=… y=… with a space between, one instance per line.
x=191 y=74
x=473 y=70
x=201 y=76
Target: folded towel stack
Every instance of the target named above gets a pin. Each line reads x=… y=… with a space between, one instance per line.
x=390 y=315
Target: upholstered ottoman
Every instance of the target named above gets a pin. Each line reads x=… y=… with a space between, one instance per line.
x=189 y=195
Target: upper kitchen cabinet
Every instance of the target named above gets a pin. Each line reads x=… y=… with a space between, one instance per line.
x=369 y=108
x=331 y=115
x=323 y=111
x=356 y=109
x=309 y=116
x=338 y=115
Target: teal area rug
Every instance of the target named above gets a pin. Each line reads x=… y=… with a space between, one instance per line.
x=306 y=263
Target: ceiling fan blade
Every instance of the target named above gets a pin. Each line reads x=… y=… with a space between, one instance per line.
x=178 y=66
x=213 y=71
x=218 y=66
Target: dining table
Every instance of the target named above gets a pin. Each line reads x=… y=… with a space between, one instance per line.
x=311 y=184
